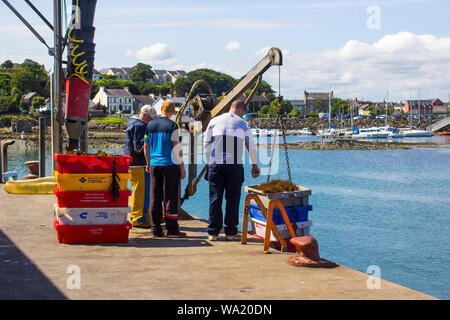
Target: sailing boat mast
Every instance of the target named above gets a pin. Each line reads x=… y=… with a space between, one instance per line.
x=419 y=108
x=410 y=108
x=329 y=107
x=386 y=102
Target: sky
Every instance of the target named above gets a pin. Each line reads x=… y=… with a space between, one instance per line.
x=370 y=50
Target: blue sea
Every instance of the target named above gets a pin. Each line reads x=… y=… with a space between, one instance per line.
x=388 y=208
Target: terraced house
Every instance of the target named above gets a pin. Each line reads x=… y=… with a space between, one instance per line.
x=115 y=100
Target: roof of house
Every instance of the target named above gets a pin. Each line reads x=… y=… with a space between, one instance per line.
x=255 y=98
x=182 y=73
x=29 y=95
x=145 y=99
x=118 y=93
x=437 y=102
x=318 y=95
x=127 y=70
x=297 y=102
x=422 y=102
x=160 y=73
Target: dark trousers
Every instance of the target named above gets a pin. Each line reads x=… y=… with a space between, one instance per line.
x=228 y=179
x=164 y=182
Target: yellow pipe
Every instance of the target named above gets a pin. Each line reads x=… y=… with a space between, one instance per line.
x=179 y=115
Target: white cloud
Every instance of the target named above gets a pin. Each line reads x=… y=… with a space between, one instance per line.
x=158 y=52
x=233 y=46
x=396 y=62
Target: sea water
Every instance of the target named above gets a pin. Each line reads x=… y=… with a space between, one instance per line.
x=384 y=208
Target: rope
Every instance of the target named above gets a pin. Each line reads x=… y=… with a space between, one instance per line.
x=114 y=188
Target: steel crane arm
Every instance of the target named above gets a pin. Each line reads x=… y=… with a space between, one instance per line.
x=273 y=58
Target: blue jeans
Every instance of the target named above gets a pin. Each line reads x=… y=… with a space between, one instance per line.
x=228 y=179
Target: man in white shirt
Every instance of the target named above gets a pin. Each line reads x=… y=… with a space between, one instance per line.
x=225 y=138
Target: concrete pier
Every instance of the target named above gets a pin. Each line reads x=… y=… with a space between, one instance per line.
x=33 y=265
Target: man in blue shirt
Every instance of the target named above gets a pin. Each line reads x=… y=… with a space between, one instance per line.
x=164 y=158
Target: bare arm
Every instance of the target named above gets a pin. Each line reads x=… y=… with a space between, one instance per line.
x=147 y=156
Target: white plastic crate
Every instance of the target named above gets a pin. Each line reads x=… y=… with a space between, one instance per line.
x=259 y=229
x=91 y=216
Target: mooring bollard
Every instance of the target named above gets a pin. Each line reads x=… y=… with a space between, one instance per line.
x=4 y=157
x=42 y=129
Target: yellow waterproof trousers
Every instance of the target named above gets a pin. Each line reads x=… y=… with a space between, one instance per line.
x=140 y=200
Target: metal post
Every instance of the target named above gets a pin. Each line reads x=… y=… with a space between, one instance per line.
x=42 y=129
x=57 y=129
x=83 y=139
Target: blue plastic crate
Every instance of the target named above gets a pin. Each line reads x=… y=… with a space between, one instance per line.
x=277 y=217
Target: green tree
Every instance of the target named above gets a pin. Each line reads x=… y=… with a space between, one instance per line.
x=25 y=81
x=16 y=94
x=320 y=105
x=5 y=80
x=219 y=82
x=286 y=107
x=7 y=105
x=38 y=102
x=142 y=73
x=165 y=88
x=7 y=64
x=295 y=112
x=265 y=109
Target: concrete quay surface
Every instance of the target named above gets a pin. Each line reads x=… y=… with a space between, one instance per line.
x=34 y=265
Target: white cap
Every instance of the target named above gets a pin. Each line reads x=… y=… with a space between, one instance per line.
x=148 y=109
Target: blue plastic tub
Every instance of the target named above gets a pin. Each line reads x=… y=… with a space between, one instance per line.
x=277 y=217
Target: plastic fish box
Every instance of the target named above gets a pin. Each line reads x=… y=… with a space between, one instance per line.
x=85 y=234
x=259 y=229
x=67 y=163
x=91 y=216
x=90 y=199
x=89 y=181
x=288 y=199
x=300 y=213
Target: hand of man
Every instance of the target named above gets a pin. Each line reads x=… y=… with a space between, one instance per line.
x=183 y=173
x=147 y=168
x=255 y=171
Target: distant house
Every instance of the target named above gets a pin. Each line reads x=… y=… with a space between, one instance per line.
x=28 y=97
x=122 y=73
x=422 y=107
x=164 y=76
x=97 y=76
x=256 y=102
x=439 y=108
x=142 y=100
x=161 y=76
x=178 y=103
x=300 y=105
x=115 y=99
x=310 y=99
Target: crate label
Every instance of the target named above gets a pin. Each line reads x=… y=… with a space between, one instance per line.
x=102 y=215
x=83 y=215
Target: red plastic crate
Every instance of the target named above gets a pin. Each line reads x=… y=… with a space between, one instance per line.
x=67 y=163
x=90 y=199
x=80 y=234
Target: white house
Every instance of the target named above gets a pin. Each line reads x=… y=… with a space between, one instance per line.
x=121 y=73
x=115 y=99
x=187 y=115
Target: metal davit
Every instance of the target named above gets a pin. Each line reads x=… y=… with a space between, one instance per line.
x=80 y=67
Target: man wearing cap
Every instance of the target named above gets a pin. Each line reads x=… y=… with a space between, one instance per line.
x=224 y=142
x=140 y=179
x=164 y=156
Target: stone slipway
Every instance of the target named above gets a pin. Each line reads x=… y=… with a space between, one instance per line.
x=33 y=265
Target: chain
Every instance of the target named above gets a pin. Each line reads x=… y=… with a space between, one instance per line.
x=279 y=117
x=286 y=155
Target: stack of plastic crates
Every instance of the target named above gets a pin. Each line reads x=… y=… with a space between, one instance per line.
x=87 y=210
